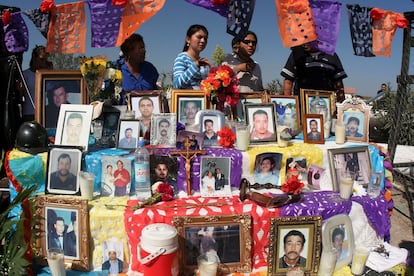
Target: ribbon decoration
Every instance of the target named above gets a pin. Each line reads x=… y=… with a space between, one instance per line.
x=67 y=29
x=40 y=19
x=240 y=13
x=360 y=25
x=295 y=22
x=135 y=13
x=223 y=10
x=16 y=34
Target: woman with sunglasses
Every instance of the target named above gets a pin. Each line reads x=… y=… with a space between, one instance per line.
x=189 y=68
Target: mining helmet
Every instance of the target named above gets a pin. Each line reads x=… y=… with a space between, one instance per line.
x=32 y=138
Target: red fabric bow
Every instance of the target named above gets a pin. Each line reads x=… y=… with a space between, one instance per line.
x=119 y=3
x=293 y=185
x=227 y=137
x=46 y=6
x=6 y=17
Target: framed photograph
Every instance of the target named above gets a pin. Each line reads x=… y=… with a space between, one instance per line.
x=315 y=174
x=163 y=130
x=186 y=104
x=353 y=160
x=318 y=102
x=114 y=249
x=287 y=110
x=262 y=121
x=128 y=134
x=294 y=241
x=267 y=168
x=196 y=139
x=313 y=130
x=354 y=115
x=56 y=87
x=116 y=176
x=74 y=125
x=62 y=223
x=63 y=166
x=215 y=176
x=337 y=233
x=210 y=122
x=110 y=118
x=164 y=169
x=297 y=166
x=227 y=236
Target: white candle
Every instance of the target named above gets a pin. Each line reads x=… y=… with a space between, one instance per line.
x=327 y=129
x=282 y=143
x=242 y=137
x=358 y=260
x=55 y=259
x=208 y=264
x=328 y=262
x=339 y=134
x=86 y=183
x=346 y=187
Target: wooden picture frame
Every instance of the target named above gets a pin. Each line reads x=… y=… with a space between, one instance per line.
x=264 y=128
x=210 y=121
x=74 y=125
x=128 y=134
x=287 y=110
x=354 y=115
x=309 y=96
x=163 y=130
x=308 y=227
x=313 y=130
x=233 y=230
x=218 y=182
x=355 y=159
x=134 y=98
x=181 y=98
x=63 y=161
x=47 y=210
x=47 y=81
x=332 y=229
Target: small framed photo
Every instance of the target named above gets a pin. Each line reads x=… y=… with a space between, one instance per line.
x=337 y=233
x=354 y=115
x=353 y=160
x=63 y=223
x=318 y=102
x=128 y=134
x=313 y=130
x=164 y=169
x=215 y=176
x=305 y=234
x=111 y=118
x=63 y=166
x=315 y=174
x=227 y=236
x=262 y=121
x=186 y=103
x=297 y=166
x=114 y=251
x=267 y=168
x=116 y=176
x=210 y=122
x=196 y=139
x=74 y=125
x=56 y=87
x=287 y=110
x=163 y=130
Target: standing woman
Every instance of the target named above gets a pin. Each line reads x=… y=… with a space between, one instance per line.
x=189 y=67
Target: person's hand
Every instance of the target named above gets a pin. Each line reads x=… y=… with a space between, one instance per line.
x=203 y=62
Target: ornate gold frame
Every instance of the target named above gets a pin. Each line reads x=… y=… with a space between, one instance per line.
x=307 y=93
x=293 y=99
x=178 y=95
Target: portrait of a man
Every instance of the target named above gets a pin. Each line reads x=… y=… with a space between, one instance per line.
x=164 y=169
x=293 y=245
x=262 y=122
x=314 y=133
x=73 y=129
x=63 y=167
x=188 y=109
x=210 y=132
x=163 y=130
x=354 y=125
x=144 y=107
x=62 y=231
x=128 y=134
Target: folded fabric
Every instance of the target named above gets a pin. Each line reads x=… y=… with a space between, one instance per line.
x=381 y=262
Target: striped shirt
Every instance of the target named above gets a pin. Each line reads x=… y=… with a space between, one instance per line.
x=187 y=75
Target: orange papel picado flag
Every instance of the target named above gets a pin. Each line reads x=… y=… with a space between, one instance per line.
x=135 y=13
x=67 y=29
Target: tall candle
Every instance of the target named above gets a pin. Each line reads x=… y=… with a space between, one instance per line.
x=339 y=134
x=346 y=187
x=328 y=262
x=242 y=137
x=55 y=260
x=358 y=260
x=282 y=143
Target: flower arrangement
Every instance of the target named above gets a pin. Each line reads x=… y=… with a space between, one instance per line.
x=221 y=86
x=161 y=192
x=293 y=185
x=227 y=137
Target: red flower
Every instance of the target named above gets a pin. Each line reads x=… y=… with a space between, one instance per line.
x=46 y=6
x=119 y=3
x=293 y=185
x=6 y=17
x=227 y=137
x=161 y=192
x=220 y=2
x=166 y=191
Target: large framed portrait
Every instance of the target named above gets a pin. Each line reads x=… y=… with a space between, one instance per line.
x=62 y=222
x=262 y=121
x=215 y=176
x=313 y=130
x=267 y=167
x=128 y=134
x=227 y=236
x=210 y=121
x=318 y=102
x=354 y=115
x=287 y=110
x=186 y=103
x=355 y=161
x=56 y=87
x=145 y=103
x=337 y=233
x=116 y=176
x=297 y=237
x=74 y=125
x=163 y=130
x=63 y=166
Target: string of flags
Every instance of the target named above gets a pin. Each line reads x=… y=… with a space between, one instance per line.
x=112 y=21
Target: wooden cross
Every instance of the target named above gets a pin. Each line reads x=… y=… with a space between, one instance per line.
x=187 y=154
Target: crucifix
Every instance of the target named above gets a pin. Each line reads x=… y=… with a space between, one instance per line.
x=187 y=154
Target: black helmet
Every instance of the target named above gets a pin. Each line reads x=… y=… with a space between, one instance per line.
x=32 y=138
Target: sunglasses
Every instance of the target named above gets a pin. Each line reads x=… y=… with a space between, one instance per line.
x=248 y=41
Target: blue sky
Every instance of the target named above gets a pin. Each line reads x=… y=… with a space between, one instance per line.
x=165 y=32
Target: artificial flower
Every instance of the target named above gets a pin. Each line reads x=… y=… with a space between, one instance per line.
x=119 y=3
x=161 y=191
x=220 y=2
x=293 y=185
x=6 y=17
x=46 y=6
x=227 y=137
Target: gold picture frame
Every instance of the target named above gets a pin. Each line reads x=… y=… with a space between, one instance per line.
x=308 y=227
x=180 y=98
x=354 y=114
x=156 y=97
x=308 y=96
x=234 y=231
x=50 y=209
